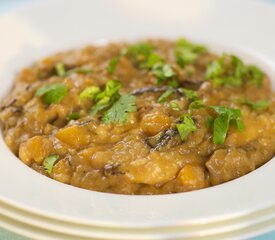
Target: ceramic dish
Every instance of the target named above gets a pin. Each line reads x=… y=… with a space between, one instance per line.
x=225 y=209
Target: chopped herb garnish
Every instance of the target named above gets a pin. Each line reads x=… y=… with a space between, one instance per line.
x=187 y=52
x=163 y=71
x=89 y=93
x=214 y=69
x=73 y=116
x=173 y=83
x=60 y=69
x=118 y=113
x=52 y=93
x=106 y=98
x=209 y=122
x=139 y=52
x=259 y=105
x=49 y=162
x=174 y=105
x=225 y=117
x=229 y=70
x=163 y=98
x=115 y=106
x=102 y=99
x=152 y=60
x=112 y=65
x=191 y=94
x=186 y=127
x=228 y=81
x=255 y=75
x=197 y=104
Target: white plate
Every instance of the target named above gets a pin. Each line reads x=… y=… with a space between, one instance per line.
x=222 y=230
x=53 y=25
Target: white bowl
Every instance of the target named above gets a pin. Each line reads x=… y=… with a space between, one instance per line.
x=241 y=207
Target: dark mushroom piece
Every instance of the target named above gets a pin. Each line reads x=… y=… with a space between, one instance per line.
x=194 y=85
x=168 y=138
x=155 y=90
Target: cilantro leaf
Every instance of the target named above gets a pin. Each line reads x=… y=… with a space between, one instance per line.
x=238 y=66
x=229 y=70
x=173 y=83
x=112 y=87
x=185 y=56
x=49 y=162
x=112 y=65
x=186 y=127
x=259 y=105
x=52 y=93
x=221 y=123
x=187 y=52
x=139 y=52
x=102 y=104
x=209 y=122
x=73 y=116
x=163 y=71
x=174 y=105
x=106 y=98
x=191 y=94
x=102 y=99
x=89 y=93
x=255 y=74
x=214 y=70
x=118 y=113
x=153 y=59
x=60 y=69
x=163 y=97
x=197 y=104
x=227 y=81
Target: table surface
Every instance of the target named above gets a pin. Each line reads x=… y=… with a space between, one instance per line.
x=9 y=5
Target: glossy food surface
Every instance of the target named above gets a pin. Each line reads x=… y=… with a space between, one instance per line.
x=152 y=117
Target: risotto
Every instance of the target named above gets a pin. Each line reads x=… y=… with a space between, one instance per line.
x=152 y=117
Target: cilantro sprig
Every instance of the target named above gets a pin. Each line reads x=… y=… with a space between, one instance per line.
x=187 y=52
x=174 y=105
x=112 y=65
x=49 y=162
x=118 y=113
x=139 y=52
x=163 y=97
x=225 y=117
x=115 y=107
x=74 y=116
x=186 y=127
x=259 y=105
x=61 y=71
x=52 y=93
x=144 y=56
x=152 y=60
x=229 y=70
x=196 y=102
x=163 y=72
